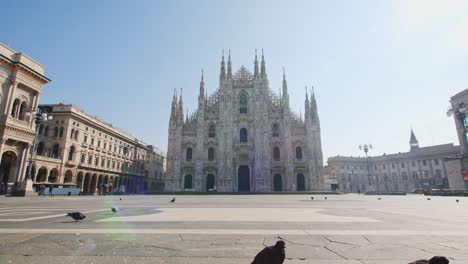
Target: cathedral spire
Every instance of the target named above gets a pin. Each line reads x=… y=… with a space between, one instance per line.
x=256 y=66
x=202 y=85
x=285 y=90
x=229 y=70
x=174 y=105
x=263 y=70
x=181 y=106
x=306 y=105
x=222 y=75
x=313 y=108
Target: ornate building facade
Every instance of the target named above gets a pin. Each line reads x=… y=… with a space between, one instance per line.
x=421 y=167
x=21 y=81
x=76 y=148
x=244 y=138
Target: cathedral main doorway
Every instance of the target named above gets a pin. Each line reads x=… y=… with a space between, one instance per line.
x=243 y=179
x=210 y=181
x=277 y=183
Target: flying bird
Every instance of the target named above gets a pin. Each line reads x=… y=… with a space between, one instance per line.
x=173 y=200
x=114 y=210
x=77 y=216
x=271 y=255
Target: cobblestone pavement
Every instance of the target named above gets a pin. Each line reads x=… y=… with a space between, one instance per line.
x=343 y=229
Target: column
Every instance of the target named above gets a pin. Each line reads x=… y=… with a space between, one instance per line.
x=24 y=163
x=11 y=92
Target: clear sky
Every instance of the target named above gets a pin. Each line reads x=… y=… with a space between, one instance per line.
x=378 y=67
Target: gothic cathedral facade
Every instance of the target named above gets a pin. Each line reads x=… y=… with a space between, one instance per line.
x=244 y=138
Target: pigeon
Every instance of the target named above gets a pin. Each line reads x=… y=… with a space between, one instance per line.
x=438 y=260
x=325 y=197
x=120 y=199
x=312 y=198
x=457 y=200
x=379 y=199
x=433 y=260
x=271 y=255
x=77 y=216
x=173 y=200
x=428 y=199
x=114 y=210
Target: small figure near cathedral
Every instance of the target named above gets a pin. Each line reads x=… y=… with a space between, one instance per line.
x=243 y=137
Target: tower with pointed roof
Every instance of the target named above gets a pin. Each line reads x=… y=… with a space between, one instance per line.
x=414 y=144
x=243 y=137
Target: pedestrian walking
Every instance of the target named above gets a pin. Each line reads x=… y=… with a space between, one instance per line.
x=51 y=188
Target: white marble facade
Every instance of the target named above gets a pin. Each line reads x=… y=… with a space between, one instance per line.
x=244 y=138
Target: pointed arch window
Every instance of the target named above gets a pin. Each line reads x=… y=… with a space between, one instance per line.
x=243 y=104
x=243 y=135
x=275 y=130
x=276 y=154
x=211 y=154
x=298 y=153
x=211 y=131
x=188 y=154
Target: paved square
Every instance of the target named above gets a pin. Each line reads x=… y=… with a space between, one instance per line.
x=233 y=228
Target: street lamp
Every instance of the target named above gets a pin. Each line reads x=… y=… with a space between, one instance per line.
x=460 y=112
x=366 y=148
x=39 y=118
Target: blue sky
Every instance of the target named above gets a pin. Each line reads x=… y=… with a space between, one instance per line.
x=378 y=67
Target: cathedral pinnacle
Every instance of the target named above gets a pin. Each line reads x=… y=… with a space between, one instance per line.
x=256 y=66
x=229 y=70
x=285 y=90
x=263 y=70
x=202 y=86
x=223 y=69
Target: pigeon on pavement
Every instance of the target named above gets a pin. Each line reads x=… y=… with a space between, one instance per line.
x=433 y=260
x=173 y=200
x=114 y=210
x=77 y=216
x=271 y=255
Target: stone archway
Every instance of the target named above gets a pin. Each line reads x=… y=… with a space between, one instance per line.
x=53 y=175
x=7 y=169
x=68 y=178
x=94 y=181
x=87 y=183
x=100 y=184
x=79 y=180
x=42 y=174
